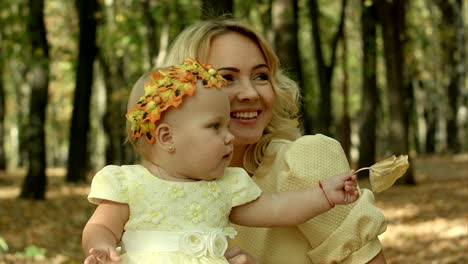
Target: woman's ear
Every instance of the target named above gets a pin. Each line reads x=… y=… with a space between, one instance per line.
x=164 y=137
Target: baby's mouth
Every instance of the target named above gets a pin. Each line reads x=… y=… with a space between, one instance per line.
x=245 y=115
x=227 y=156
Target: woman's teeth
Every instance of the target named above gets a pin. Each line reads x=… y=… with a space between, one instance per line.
x=244 y=115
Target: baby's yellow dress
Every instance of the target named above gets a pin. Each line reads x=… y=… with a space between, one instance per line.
x=173 y=222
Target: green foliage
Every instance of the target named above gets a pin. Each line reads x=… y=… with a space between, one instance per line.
x=34 y=251
x=3 y=246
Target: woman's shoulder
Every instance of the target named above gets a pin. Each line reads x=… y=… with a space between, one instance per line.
x=310 y=151
x=317 y=141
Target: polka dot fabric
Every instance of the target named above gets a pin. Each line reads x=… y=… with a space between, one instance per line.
x=345 y=234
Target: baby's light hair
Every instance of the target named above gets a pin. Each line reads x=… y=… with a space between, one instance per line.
x=195 y=41
x=160 y=90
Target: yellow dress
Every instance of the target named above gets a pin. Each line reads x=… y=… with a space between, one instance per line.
x=345 y=234
x=173 y=222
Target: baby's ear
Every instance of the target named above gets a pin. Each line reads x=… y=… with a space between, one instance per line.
x=164 y=137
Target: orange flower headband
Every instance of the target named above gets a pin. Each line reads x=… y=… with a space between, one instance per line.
x=166 y=88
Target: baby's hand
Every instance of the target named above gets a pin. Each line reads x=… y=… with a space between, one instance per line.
x=102 y=255
x=342 y=189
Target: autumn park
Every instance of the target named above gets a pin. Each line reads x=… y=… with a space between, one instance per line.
x=383 y=78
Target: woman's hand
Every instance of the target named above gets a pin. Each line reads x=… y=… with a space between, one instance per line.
x=235 y=255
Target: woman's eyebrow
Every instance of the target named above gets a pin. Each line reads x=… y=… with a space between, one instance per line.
x=260 y=66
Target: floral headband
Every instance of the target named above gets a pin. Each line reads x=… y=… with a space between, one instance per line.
x=166 y=88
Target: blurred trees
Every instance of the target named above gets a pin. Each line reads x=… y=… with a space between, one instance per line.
x=392 y=16
x=397 y=85
x=78 y=150
x=2 y=110
x=369 y=92
x=34 y=185
x=453 y=44
x=212 y=8
x=325 y=67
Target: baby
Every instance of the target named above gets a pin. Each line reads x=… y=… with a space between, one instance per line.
x=177 y=205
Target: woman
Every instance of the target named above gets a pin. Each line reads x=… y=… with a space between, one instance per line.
x=269 y=145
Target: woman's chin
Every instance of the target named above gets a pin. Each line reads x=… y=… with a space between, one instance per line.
x=247 y=139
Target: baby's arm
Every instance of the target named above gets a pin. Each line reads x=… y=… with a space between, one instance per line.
x=102 y=232
x=296 y=207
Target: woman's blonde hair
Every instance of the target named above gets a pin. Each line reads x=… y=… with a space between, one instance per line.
x=195 y=41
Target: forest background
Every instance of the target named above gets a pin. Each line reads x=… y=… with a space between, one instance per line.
x=382 y=77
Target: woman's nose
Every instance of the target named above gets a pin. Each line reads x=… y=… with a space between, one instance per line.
x=247 y=91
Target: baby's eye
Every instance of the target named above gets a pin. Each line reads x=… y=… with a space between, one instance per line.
x=215 y=126
x=228 y=77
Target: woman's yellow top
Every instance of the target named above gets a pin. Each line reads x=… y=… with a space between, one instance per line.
x=344 y=234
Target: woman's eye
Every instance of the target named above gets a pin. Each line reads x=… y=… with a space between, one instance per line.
x=261 y=77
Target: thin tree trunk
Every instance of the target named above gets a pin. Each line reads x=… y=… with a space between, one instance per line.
x=2 y=111
x=453 y=46
x=325 y=71
x=34 y=185
x=346 y=121
x=267 y=21
x=150 y=31
x=399 y=89
x=369 y=94
x=114 y=117
x=284 y=20
x=215 y=8
x=285 y=27
x=78 y=151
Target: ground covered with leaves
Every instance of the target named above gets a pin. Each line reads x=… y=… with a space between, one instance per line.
x=427 y=223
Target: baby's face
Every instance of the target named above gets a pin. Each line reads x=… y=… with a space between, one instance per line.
x=202 y=141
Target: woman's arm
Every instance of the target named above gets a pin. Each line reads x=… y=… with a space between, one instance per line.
x=379 y=259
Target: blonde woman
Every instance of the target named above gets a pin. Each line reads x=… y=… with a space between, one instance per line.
x=269 y=145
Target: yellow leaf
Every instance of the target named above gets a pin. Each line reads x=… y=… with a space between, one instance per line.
x=383 y=174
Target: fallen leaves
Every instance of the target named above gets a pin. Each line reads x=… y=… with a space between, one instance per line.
x=427 y=223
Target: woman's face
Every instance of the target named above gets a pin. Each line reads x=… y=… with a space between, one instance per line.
x=240 y=61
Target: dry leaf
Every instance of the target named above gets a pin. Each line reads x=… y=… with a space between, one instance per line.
x=383 y=174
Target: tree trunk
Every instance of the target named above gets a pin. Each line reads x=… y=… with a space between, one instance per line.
x=2 y=109
x=2 y=113
x=392 y=18
x=453 y=47
x=114 y=121
x=113 y=69
x=346 y=119
x=369 y=94
x=150 y=32
x=285 y=27
x=431 y=116
x=267 y=21
x=34 y=185
x=78 y=151
x=325 y=72
x=284 y=21
x=215 y=8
